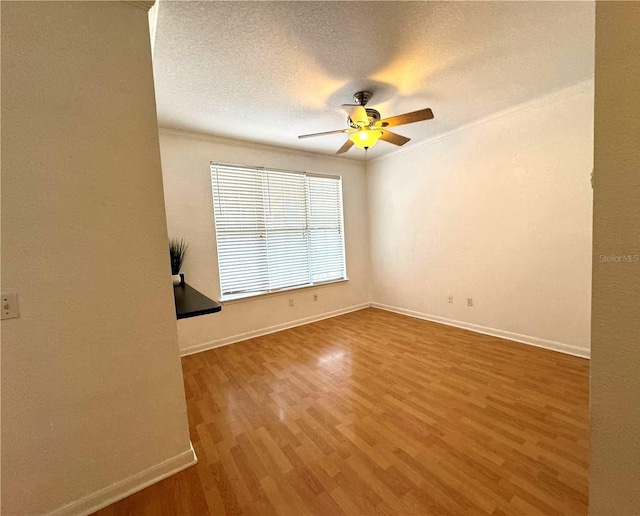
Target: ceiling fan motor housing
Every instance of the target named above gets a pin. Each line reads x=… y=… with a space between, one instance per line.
x=372 y=114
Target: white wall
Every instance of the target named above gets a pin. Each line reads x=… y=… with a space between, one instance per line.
x=499 y=211
x=187 y=187
x=92 y=396
x=614 y=462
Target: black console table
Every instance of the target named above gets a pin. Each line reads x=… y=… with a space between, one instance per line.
x=191 y=303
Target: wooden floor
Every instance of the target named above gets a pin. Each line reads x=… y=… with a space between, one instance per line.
x=377 y=413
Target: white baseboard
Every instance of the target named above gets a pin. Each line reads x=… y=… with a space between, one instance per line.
x=517 y=337
x=111 y=494
x=270 y=329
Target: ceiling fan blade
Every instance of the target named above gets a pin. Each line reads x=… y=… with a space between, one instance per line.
x=394 y=138
x=357 y=113
x=338 y=131
x=407 y=118
x=347 y=145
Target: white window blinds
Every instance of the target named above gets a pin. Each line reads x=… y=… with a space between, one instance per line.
x=276 y=230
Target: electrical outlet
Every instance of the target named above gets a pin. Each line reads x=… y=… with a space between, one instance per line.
x=290 y=302
x=10 y=306
x=469 y=301
x=450 y=299
x=315 y=297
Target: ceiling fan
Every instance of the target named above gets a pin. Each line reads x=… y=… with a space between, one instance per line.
x=366 y=127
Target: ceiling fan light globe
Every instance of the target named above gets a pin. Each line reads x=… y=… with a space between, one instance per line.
x=365 y=138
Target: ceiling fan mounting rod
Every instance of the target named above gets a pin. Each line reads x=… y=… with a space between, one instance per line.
x=362 y=97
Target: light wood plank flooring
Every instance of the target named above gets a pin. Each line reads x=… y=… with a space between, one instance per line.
x=377 y=413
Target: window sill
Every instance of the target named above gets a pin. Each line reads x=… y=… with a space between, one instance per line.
x=254 y=297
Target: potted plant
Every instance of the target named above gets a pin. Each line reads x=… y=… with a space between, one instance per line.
x=177 y=251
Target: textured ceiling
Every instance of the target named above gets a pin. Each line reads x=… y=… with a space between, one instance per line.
x=269 y=71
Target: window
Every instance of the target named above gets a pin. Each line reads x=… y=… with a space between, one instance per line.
x=276 y=229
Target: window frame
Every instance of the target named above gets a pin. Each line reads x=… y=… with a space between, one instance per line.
x=243 y=296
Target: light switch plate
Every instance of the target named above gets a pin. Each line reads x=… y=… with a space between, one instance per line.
x=10 y=308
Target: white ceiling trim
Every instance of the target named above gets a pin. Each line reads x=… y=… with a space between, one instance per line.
x=246 y=144
x=514 y=110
